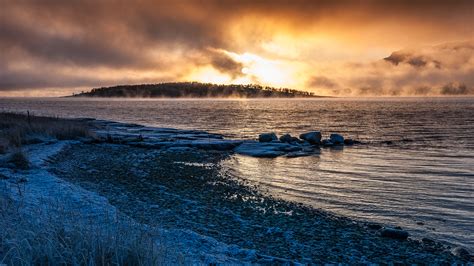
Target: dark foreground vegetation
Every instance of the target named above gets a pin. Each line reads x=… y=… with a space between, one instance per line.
x=17 y=130
x=194 y=90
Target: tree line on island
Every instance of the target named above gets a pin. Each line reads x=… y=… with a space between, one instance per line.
x=194 y=90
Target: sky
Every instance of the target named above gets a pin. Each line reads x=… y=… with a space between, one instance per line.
x=339 y=48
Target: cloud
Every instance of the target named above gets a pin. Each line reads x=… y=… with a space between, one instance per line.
x=225 y=64
x=424 y=57
x=446 y=69
x=64 y=44
x=456 y=89
x=413 y=60
x=321 y=81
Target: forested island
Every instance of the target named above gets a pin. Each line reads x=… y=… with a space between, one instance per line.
x=194 y=90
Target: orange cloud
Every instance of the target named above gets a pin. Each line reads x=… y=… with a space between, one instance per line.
x=53 y=44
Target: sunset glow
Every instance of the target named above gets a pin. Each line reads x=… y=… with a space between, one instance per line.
x=330 y=48
x=236 y=132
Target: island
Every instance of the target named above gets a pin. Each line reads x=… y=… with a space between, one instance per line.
x=195 y=90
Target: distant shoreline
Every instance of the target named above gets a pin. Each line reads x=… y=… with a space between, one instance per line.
x=194 y=90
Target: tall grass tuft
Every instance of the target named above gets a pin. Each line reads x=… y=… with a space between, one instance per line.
x=18 y=129
x=62 y=237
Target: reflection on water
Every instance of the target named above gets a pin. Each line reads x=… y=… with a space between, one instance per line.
x=429 y=193
x=424 y=181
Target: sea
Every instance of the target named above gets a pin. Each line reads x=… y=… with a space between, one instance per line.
x=415 y=168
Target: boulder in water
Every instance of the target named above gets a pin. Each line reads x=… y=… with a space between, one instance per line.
x=327 y=143
x=337 y=139
x=267 y=137
x=286 y=138
x=313 y=137
x=348 y=142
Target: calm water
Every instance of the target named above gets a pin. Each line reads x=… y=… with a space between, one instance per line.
x=424 y=181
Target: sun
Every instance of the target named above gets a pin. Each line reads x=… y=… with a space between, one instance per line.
x=268 y=72
x=262 y=70
x=255 y=69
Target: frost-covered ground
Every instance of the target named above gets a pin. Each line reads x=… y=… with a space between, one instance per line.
x=165 y=187
x=44 y=199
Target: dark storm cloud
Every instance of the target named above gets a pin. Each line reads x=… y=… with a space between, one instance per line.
x=89 y=50
x=13 y=80
x=42 y=39
x=225 y=63
x=411 y=59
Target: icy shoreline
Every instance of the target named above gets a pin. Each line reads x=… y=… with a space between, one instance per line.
x=43 y=196
x=39 y=189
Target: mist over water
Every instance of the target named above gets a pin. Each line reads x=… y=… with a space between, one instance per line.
x=423 y=180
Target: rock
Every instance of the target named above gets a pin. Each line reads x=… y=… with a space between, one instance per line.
x=374 y=226
x=313 y=137
x=179 y=149
x=337 y=139
x=394 y=233
x=428 y=241
x=218 y=145
x=286 y=138
x=295 y=140
x=267 y=137
x=461 y=253
x=266 y=149
x=348 y=142
x=298 y=154
x=327 y=143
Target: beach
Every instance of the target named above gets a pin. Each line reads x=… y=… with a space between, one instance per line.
x=183 y=191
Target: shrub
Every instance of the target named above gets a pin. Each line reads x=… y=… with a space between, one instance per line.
x=19 y=159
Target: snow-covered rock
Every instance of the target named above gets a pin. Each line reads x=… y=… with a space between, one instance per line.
x=219 y=145
x=266 y=149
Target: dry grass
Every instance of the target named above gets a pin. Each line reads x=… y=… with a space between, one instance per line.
x=50 y=234
x=59 y=237
x=18 y=129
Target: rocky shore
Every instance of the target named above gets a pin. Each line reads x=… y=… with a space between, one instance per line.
x=172 y=179
x=186 y=189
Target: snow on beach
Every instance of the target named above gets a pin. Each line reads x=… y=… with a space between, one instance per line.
x=42 y=196
x=72 y=197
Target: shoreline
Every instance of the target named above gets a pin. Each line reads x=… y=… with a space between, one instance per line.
x=72 y=164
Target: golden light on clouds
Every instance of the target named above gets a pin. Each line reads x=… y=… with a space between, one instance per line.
x=328 y=47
